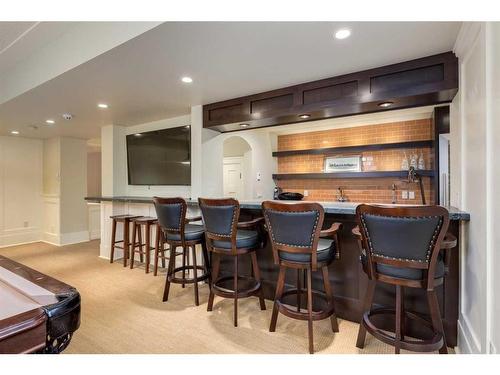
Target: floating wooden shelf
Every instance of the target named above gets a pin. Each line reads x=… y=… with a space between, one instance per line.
x=374 y=174
x=350 y=149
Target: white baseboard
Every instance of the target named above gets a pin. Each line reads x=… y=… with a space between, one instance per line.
x=19 y=238
x=74 y=237
x=467 y=344
x=66 y=238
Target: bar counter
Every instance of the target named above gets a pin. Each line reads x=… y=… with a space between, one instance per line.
x=346 y=275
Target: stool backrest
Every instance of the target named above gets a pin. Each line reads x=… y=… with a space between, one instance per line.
x=294 y=228
x=171 y=213
x=220 y=217
x=402 y=237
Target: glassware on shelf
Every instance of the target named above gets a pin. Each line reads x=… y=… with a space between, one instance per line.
x=404 y=164
x=421 y=161
x=414 y=161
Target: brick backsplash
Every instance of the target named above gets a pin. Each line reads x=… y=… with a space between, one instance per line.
x=374 y=190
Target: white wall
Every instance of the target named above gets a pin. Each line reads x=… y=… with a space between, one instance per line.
x=474 y=139
x=20 y=190
x=493 y=61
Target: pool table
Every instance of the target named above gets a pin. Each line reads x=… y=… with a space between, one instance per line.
x=38 y=314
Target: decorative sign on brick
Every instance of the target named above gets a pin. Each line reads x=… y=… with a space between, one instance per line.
x=343 y=164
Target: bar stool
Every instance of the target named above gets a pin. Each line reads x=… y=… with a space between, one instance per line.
x=126 y=220
x=401 y=247
x=137 y=244
x=226 y=237
x=295 y=231
x=178 y=232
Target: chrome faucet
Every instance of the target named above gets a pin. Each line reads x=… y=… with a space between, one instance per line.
x=341 y=197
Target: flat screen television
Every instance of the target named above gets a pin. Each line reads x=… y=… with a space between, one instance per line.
x=160 y=157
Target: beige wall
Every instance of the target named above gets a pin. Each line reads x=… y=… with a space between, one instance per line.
x=94 y=174
x=51 y=166
x=20 y=190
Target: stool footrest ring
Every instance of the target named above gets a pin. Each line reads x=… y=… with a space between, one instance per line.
x=428 y=345
x=187 y=280
x=294 y=314
x=229 y=293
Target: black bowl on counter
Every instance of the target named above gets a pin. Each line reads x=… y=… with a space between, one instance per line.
x=288 y=196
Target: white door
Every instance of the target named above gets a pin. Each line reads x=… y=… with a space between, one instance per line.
x=233 y=181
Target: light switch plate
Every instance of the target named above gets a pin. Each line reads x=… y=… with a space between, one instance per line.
x=404 y=194
x=306 y=193
x=411 y=195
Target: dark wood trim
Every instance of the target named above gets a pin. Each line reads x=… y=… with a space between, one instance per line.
x=425 y=81
x=361 y=148
x=377 y=174
x=441 y=125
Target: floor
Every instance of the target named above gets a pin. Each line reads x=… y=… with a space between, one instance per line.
x=123 y=312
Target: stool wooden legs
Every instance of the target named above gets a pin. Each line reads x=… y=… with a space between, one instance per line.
x=370 y=291
x=170 y=271
x=399 y=319
x=256 y=272
x=126 y=244
x=279 y=292
x=309 y=310
x=296 y=313
x=113 y=240
x=137 y=242
x=235 y=287
x=437 y=322
x=195 y=276
x=329 y=298
x=215 y=275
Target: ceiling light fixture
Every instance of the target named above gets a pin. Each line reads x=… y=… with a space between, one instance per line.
x=50 y=122
x=187 y=79
x=138 y=134
x=102 y=105
x=244 y=125
x=385 y=104
x=15 y=132
x=305 y=115
x=343 y=33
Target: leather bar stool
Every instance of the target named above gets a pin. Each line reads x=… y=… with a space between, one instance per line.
x=298 y=243
x=142 y=248
x=125 y=220
x=401 y=247
x=227 y=237
x=179 y=232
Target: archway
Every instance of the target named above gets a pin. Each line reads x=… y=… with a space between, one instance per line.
x=237 y=168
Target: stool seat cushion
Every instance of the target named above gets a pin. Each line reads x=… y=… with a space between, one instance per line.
x=406 y=273
x=244 y=239
x=325 y=252
x=192 y=232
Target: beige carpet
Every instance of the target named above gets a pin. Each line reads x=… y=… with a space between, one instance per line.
x=122 y=312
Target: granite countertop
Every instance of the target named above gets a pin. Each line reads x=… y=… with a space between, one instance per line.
x=345 y=208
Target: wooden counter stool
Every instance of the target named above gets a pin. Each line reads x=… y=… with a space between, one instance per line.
x=226 y=237
x=178 y=232
x=401 y=247
x=126 y=220
x=295 y=231
x=143 y=249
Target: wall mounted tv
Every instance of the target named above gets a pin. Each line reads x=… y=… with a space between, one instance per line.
x=160 y=157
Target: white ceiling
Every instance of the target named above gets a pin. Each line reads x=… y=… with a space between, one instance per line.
x=140 y=79
x=18 y=40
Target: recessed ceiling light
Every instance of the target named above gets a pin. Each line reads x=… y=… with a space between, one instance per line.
x=50 y=121
x=244 y=125
x=138 y=134
x=385 y=104
x=15 y=132
x=186 y=79
x=342 y=33
x=305 y=115
x=102 y=105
